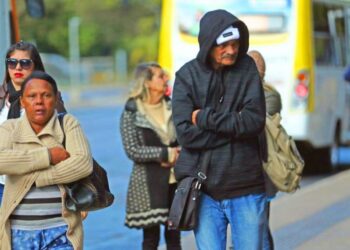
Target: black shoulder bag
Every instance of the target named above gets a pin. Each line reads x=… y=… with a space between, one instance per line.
x=90 y=193
x=183 y=213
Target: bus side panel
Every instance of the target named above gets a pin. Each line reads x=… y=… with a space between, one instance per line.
x=304 y=51
x=165 y=41
x=329 y=100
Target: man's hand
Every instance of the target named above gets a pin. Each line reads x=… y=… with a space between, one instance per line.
x=58 y=154
x=166 y=164
x=194 y=116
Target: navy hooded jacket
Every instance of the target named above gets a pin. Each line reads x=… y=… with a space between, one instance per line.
x=232 y=114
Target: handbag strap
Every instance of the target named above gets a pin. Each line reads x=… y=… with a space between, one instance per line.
x=203 y=167
x=60 y=117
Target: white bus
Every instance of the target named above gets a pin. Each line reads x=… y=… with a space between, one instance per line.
x=306 y=44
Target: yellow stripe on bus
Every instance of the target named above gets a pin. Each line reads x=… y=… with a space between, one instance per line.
x=268 y=39
x=188 y=38
x=304 y=50
x=254 y=39
x=165 y=40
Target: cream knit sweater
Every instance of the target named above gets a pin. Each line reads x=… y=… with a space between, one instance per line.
x=25 y=160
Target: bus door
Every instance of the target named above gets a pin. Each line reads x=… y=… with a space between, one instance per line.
x=347 y=31
x=338 y=20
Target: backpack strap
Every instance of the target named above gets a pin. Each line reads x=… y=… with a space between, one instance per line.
x=60 y=117
x=203 y=166
x=272 y=124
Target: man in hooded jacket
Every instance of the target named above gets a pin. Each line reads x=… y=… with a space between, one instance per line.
x=219 y=106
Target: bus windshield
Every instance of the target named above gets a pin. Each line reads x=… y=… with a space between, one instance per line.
x=261 y=16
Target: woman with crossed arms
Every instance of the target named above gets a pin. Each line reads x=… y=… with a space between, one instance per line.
x=36 y=166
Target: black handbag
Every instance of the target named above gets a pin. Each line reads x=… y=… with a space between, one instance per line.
x=90 y=193
x=183 y=214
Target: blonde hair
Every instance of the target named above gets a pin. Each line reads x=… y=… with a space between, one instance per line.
x=143 y=72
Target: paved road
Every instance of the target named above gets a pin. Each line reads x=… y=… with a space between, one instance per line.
x=299 y=221
x=105 y=229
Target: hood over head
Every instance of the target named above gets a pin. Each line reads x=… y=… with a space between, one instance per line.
x=212 y=24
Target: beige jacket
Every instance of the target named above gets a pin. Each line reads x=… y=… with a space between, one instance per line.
x=24 y=158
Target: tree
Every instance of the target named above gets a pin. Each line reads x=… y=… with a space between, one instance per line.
x=106 y=25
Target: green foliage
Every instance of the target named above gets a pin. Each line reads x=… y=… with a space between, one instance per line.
x=105 y=26
x=50 y=33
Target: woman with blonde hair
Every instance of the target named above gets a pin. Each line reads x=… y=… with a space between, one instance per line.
x=149 y=140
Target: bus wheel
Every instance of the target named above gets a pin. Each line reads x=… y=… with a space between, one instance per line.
x=322 y=160
x=327 y=158
x=334 y=154
x=334 y=149
x=307 y=152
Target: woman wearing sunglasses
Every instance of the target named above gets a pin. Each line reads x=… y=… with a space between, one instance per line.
x=21 y=60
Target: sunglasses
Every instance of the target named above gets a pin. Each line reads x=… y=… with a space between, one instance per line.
x=24 y=63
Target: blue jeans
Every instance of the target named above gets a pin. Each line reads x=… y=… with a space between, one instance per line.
x=247 y=216
x=1 y=192
x=268 y=239
x=47 y=239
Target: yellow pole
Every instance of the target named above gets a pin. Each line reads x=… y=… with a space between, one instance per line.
x=164 y=55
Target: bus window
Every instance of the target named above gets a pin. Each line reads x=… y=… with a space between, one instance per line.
x=189 y=22
x=181 y=18
x=251 y=12
x=329 y=35
x=265 y=23
x=337 y=24
x=323 y=48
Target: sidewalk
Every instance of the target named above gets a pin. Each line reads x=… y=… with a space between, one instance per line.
x=315 y=217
